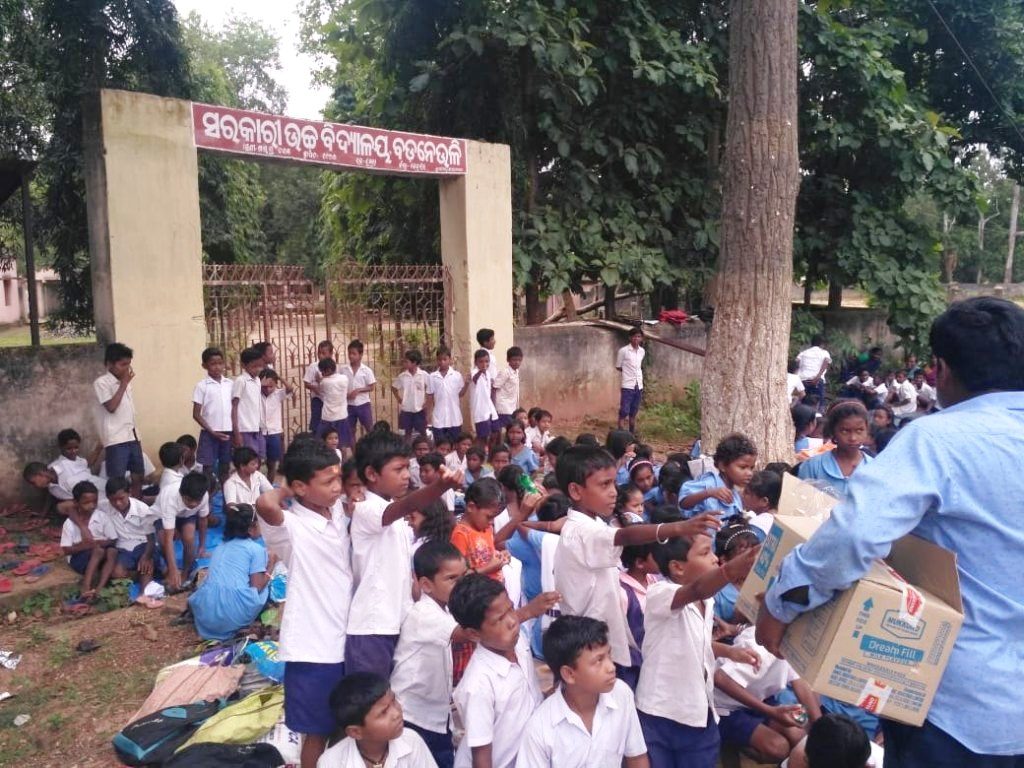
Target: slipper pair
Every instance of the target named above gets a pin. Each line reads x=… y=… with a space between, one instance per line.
x=37 y=573
x=26 y=567
x=5 y=586
x=77 y=608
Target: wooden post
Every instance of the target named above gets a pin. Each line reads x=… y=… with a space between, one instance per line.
x=30 y=258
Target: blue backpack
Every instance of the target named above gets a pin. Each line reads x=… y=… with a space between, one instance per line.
x=153 y=739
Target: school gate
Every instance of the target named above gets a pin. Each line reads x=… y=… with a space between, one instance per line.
x=141 y=176
x=390 y=308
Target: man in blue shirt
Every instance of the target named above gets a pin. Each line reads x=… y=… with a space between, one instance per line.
x=955 y=478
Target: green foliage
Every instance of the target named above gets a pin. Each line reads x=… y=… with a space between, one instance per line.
x=114 y=595
x=674 y=421
x=804 y=327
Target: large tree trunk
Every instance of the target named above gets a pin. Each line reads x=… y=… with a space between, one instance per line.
x=1014 y=209
x=743 y=387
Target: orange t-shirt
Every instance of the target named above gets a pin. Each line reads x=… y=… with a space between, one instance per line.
x=476 y=546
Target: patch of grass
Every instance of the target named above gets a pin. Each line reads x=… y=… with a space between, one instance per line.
x=675 y=421
x=56 y=721
x=38 y=636
x=60 y=653
x=20 y=336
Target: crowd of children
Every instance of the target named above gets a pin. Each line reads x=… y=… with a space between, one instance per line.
x=412 y=636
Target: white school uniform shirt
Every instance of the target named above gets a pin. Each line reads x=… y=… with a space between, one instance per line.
x=249 y=392
x=534 y=435
x=587 y=577
x=72 y=476
x=357 y=380
x=794 y=384
x=381 y=558
x=214 y=399
x=171 y=476
x=413 y=388
x=927 y=391
x=169 y=505
x=236 y=491
x=810 y=361
x=334 y=393
x=312 y=374
x=316 y=552
x=422 y=675
x=678 y=673
x=446 y=389
x=905 y=391
x=117 y=427
x=769 y=679
x=556 y=736
x=62 y=464
x=481 y=407
x=495 y=699
x=630 y=362
x=272 y=422
x=875 y=760
x=407 y=751
x=133 y=526
x=506 y=391
x=100 y=528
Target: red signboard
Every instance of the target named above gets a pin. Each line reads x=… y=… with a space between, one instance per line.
x=256 y=134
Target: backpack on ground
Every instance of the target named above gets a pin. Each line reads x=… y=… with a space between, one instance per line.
x=227 y=756
x=152 y=739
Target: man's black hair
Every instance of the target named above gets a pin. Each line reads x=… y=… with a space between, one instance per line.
x=673 y=550
x=587 y=438
x=249 y=355
x=171 y=454
x=353 y=698
x=115 y=485
x=242 y=456
x=732 y=448
x=837 y=741
x=83 y=487
x=513 y=352
x=414 y=356
x=435 y=460
x=766 y=484
x=431 y=555
x=378 y=448
x=65 y=436
x=117 y=351
x=209 y=353
x=188 y=441
x=483 y=335
x=194 y=486
x=485 y=492
x=301 y=463
x=557 y=446
x=568 y=637
x=471 y=597
x=34 y=468
x=327 y=366
x=554 y=507
x=982 y=342
x=580 y=462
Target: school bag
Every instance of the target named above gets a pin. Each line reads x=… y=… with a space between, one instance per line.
x=152 y=739
x=227 y=756
x=243 y=721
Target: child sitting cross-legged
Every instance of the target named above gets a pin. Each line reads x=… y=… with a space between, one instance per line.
x=134 y=524
x=369 y=732
x=719 y=490
x=87 y=554
x=590 y=720
x=246 y=483
x=475 y=468
x=182 y=506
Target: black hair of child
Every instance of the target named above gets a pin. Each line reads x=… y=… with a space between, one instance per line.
x=463 y=437
x=732 y=448
x=325 y=346
x=262 y=347
x=327 y=366
x=568 y=637
x=353 y=698
x=242 y=456
x=33 y=469
x=194 y=486
x=378 y=448
x=837 y=741
x=302 y=464
x=249 y=355
x=486 y=492
x=238 y=521
x=484 y=335
x=499 y=448
x=83 y=487
x=435 y=460
x=580 y=462
x=557 y=446
x=671 y=477
x=414 y=356
x=803 y=416
x=634 y=552
x=636 y=330
x=844 y=409
x=793 y=366
x=303 y=441
x=269 y=374
x=431 y=555
x=115 y=485
x=643 y=451
x=587 y=438
x=438 y=522
x=349 y=469
x=550 y=483
x=534 y=413
x=674 y=550
x=329 y=431
x=471 y=597
x=731 y=536
x=356 y=345
x=171 y=455
x=779 y=467
x=618 y=441
x=420 y=440
x=476 y=450
x=509 y=478
x=554 y=507
x=542 y=414
x=116 y=351
x=982 y=342
x=621 y=500
x=513 y=352
x=209 y=353
x=666 y=513
x=65 y=436
x=766 y=484
x=480 y=354
x=188 y=441
x=442 y=351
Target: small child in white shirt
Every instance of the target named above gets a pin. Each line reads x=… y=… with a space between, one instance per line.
x=334 y=393
x=247 y=405
x=69 y=442
x=411 y=387
x=275 y=392
x=246 y=483
x=481 y=398
x=87 y=555
x=430 y=469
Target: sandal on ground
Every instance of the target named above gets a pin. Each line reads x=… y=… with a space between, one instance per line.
x=37 y=573
x=26 y=567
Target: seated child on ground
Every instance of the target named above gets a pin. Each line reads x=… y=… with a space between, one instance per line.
x=553 y=450
x=87 y=555
x=538 y=436
x=189 y=461
x=522 y=454
x=835 y=741
x=670 y=480
x=718 y=491
x=430 y=470
x=629 y=507
x=499 y=458
x=475 y=468
x=622 y=446
x=638 y=574
x=70 y=460
x=434 y=522
x=246 y=483
x=474 y=534
x=731 y=541
x=369 y=728
x=846 y=423
x=456 y=459
x=761 y=496
x=135 y=525
x=642 y=475
x=182 y=507
x=420 y=448
x=236 y=587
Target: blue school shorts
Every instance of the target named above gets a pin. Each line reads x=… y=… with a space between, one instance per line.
x=629 y=402
x=370 y=653
x=275 y=447
x=410 y=422
x=213 y=453
x=739 y=725
x=125 y=457
x=341 y=426
x=307 y=694
x=674 y=745
x=316 y=408
x=439 y=744
x=363 y=414
x=485 y=429
x=129 y=559
x=80 y=561
x=450 y=434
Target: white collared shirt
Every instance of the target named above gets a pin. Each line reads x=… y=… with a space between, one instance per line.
x=237 y=491
x=506 y=391
x=357 y=380
x=72 y=476
x=214 y=399
x=100 y=528
x=481 y=406
x=248 y=391
x=905 y=391
x=413 y=388
x=587 y=577
x=810 y=361
x=495 y=699
x=133 y=526
x=117 y=427
x=316 y=552
x=272 y=422
x=334 y=393
x=422 y=675
x=382 y=567
x=312 y=374
x=556 y=736
x=407 y=751
x=169 y=475
x=534 y=437
x=630 y=362
x=446 y=390
x=677 y=679
x=769 y=679
x=63 y=464
x=170 y=506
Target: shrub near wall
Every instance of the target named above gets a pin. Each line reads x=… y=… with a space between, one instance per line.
x=42 y=391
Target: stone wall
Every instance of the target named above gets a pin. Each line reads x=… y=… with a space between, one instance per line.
x=864 y=327
x=42 y=391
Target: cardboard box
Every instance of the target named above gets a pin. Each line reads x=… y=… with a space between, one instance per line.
x=884 y=643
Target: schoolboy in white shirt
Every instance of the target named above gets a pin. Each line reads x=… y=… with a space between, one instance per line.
x=410 y=387
x=361 y=382
x=247 y=405
x=211 y=410
x=481 y=400
x=311 y=381
x=382 y=549
x=246 y=483
x=311 y=538
x=69 y=442
x=445 y=388
x=422 y=678
x=183 y=507
x=334 y=393
x=506 y=387
x=590 y=720
x=272 y=426
x=135 y=526
x=116 y=416
x=629 y=363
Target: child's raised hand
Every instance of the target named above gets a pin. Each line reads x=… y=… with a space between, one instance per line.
x=745 y=656
x=695 y=526
x=530 y=502
x=738 y=568
x=450 y=477
x=724 y=495
x=543 y=603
